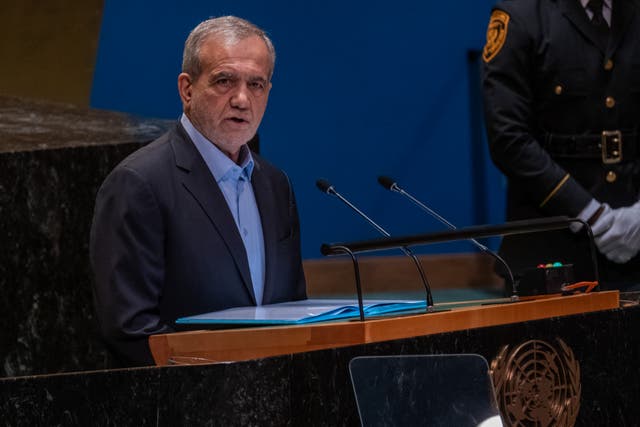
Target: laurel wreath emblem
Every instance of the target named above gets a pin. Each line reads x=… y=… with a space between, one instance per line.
x=537 y=384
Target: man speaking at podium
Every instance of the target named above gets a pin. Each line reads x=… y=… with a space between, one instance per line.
x=196 y=222
x=561 y=81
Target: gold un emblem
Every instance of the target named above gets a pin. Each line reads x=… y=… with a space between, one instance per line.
x=537 y=384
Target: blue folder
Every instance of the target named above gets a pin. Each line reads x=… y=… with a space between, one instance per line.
x=303 y=312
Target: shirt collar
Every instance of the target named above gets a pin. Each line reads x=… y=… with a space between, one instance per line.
x=221 y=166
x=607 y=3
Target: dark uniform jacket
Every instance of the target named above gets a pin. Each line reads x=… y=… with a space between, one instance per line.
x=551 y=87
x=164 y=244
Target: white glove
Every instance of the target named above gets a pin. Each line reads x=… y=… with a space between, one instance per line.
x=621 y=241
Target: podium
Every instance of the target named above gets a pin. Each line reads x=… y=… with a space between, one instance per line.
x=547 y=354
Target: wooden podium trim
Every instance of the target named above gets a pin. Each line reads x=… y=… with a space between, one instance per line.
x=212 y=346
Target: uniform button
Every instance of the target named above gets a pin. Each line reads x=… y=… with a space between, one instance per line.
x=558 y=90
x=611 y=176
x=608 y=66
x=610 y=102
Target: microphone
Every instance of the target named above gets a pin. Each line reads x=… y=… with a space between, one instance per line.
x=393 y=186
x=326 y=187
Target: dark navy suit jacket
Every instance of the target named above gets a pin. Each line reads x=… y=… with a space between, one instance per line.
x=164 y=244
x=553 y=83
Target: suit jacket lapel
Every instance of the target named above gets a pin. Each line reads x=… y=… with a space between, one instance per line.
x=199 y=181
x=263 y=192
x=574 y=11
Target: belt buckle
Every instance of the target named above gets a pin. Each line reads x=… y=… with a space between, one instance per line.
x=611 y=147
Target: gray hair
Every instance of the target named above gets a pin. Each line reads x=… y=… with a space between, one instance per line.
x=228 y=28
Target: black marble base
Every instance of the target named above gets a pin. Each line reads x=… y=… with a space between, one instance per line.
x=53 y=159
x=314 y=388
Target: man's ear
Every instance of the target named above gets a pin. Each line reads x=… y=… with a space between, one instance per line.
x=185 y=87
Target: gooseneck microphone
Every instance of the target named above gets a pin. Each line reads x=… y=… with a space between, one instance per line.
x=326 y=187
x=393 y=186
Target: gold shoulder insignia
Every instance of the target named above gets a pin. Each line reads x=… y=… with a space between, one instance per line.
x=496 y=34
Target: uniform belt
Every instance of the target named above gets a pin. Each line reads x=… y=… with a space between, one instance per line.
x=612 y=146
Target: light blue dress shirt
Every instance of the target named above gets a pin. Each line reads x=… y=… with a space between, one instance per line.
x=235 y=183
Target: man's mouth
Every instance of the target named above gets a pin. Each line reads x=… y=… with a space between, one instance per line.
x=238 y=120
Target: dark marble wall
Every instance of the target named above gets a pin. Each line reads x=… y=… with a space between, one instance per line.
x=314 y=389
x=53 y=159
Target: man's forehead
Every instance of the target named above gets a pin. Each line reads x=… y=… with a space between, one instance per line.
x=251 y=45
x=249 y=51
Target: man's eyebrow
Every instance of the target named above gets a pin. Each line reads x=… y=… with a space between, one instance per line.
x=258 y=79
x=223 y=74
x=234 y=76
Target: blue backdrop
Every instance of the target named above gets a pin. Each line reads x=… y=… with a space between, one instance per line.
x=359 y=90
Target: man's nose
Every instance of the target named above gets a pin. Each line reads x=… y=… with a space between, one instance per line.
x=240 y=98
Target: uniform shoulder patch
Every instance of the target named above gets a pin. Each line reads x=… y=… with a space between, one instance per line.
x=496 y=34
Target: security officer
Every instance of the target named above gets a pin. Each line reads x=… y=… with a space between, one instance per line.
x=561 y=82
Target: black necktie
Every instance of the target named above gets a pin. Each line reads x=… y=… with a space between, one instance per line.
x=598 y=21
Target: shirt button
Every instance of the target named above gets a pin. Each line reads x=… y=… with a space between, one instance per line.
x=608 y=65
x=558 y=90
x=610 y=102
x=244 y=232
x=611 y=177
